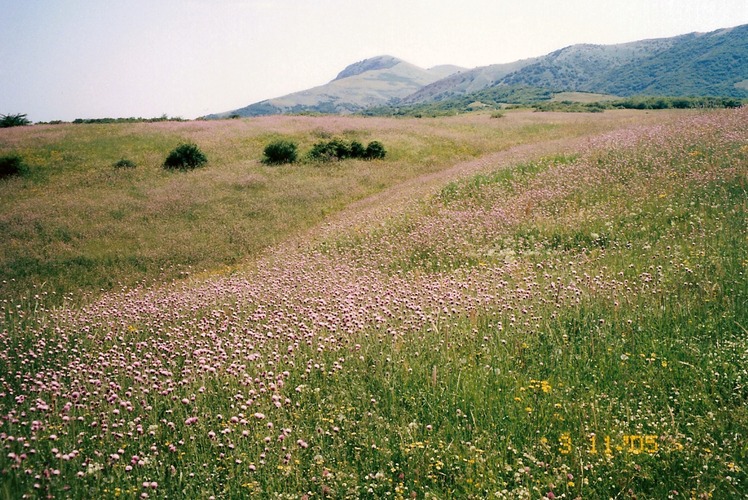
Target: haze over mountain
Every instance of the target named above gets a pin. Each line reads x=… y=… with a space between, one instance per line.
x=695 y=64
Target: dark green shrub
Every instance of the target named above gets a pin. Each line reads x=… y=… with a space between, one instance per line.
x=184 y=157
x=338 y=149
x=333 y=150
x=375 y=151
x=357 y=150
x=124 y=163
x=279 y=152
x=13 y=121
x=320 y=151
x=11 y=165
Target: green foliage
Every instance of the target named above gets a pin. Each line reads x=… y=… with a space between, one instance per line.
x=338 y=149
x=11 y=165
x=490 y=98
x=641 y=102
x=18 y=120
x=280 y=152
x=357 y=149
x=375 y=151
x=655 y=102
x=185 y=157
x=132 y=119
x=124 y=163
x=333 y=150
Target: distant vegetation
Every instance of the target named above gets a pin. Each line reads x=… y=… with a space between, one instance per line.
x=162 y=118
x=491 y=98
x=338 y=149
x=495 y=98
x=185 y=157
x=19 y=120
x=124 y=163
x=284 y=151
x=280 y=151
x=642 y=102
x=11 y=165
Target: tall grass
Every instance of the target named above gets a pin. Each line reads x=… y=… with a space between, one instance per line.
x=574 y=326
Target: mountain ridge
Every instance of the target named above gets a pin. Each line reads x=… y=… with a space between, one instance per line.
x=693 y=64
x=370 y=82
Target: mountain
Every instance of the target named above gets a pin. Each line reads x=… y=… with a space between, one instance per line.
x=465 y=82
x=371 y=82
x=696 y=64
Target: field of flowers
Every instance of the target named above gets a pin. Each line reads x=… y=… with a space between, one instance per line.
x=575 y=326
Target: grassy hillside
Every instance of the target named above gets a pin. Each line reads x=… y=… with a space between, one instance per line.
x=78 y=223
x=566 y=326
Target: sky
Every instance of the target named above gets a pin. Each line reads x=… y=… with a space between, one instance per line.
x=67 y=59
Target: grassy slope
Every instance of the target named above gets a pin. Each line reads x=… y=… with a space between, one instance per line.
x=78 y=223
x=574 y=325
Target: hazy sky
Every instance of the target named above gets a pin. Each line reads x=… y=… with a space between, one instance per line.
x=66 y=59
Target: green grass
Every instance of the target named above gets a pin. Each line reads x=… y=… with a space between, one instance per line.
x=575 y=324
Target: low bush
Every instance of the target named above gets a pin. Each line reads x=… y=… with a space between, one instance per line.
x=338 y=149
x=124 y=163
x=357 y=150
x=375 y=151
x=185 y=157
x=333 y=150
x=280 y=152
x=11 y=165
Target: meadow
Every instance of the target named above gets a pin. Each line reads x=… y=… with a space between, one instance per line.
x=78 y=224
x=455 y=321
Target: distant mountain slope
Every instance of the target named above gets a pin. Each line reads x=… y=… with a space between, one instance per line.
x=712 y=64
x=367 y=83
x=465 y=82
x=697 y=64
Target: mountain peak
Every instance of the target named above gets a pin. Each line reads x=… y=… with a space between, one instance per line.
x=371 y=64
